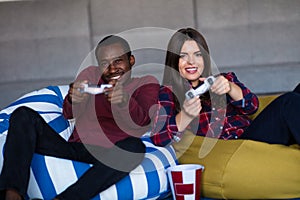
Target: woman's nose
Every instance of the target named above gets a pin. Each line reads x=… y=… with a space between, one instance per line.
x=191 y=60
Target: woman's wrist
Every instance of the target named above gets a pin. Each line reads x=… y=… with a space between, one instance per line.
x=235 y=91
x=230 y=86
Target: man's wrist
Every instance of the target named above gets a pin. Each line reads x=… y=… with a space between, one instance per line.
x=69 y=99
x=124 y=100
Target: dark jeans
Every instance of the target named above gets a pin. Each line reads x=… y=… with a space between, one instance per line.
x=279 y=122
x=28 y=133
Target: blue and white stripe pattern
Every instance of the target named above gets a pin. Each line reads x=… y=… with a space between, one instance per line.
x=50 y=175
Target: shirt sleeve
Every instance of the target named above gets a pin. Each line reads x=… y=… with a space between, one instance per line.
x=249 y=104
x=69 y=109
x=165 y=129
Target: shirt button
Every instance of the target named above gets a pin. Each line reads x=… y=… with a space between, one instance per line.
x=221 y=127
x=176 y=138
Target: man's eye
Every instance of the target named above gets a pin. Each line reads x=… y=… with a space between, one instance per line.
x=104 y=64
x=119 y=61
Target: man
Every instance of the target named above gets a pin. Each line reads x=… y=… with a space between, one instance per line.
x=107 y=129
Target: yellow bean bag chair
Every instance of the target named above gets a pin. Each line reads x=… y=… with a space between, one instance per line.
x=243 y=169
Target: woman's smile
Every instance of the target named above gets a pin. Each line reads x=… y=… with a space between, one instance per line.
x=191 y=63
x=191 y=70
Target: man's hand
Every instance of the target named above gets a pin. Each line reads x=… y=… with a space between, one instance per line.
x=116 y=94
x=75 y=94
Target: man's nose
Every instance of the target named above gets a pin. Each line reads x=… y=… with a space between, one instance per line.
x=111 y=67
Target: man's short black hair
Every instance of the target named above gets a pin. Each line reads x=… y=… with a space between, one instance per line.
x=114 y=39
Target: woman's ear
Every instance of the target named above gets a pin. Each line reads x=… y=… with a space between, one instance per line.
x=132 y=60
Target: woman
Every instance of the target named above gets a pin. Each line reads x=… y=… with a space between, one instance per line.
x=222 y=111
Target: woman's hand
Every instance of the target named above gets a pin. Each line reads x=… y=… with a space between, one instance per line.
x=223 y=86
x=191 y=108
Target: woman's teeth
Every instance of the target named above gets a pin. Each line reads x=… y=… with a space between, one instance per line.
x=191 y=69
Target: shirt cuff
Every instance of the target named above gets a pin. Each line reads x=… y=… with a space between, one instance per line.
x=240 y=103
x=177 y=137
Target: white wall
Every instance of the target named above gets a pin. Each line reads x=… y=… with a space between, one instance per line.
x=44 y=42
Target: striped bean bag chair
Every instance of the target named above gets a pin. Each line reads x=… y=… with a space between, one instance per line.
x=50 y=175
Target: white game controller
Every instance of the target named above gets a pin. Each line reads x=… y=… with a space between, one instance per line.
x=94 y=89
x=201 y=89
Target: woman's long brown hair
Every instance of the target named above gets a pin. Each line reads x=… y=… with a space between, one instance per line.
x=171 y=72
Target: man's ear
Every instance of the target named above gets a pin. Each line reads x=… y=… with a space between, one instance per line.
x=132 y=60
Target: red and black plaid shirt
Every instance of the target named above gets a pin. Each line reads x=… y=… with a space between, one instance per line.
x=227 y=121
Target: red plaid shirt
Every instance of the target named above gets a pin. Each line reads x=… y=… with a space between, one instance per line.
x=225 y=122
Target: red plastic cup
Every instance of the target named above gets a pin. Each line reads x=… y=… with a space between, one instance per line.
x=185 y=181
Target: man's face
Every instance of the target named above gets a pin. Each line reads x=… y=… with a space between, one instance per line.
x=114 y=62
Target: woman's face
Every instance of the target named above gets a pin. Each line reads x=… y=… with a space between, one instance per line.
x=191 y=63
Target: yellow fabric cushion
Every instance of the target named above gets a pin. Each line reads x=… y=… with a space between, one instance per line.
x=243 y=169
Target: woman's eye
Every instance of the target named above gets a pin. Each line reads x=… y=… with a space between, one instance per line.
x=199 y=54
x=182 y=55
